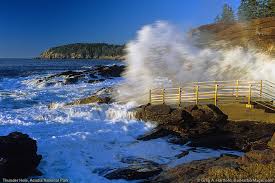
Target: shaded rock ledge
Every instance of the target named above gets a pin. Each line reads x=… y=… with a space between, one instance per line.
x=18 y=156
x=257 y=165
x=204 y=126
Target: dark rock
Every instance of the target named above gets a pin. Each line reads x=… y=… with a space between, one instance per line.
x=90 y=100
x=182 y=154
x=218 y=140
x=110 y=71
x=18 y=158
x=205 y=126
x=177 y=139
x=193 y=122
x=163 y=114
x=247 y=135
x=73 y=80
x=96 y=81
x=72 y=77
x=139 y=169
x=209 y=113
x=68 y=74
x=154 y=134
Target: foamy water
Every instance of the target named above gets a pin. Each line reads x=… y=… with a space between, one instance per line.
x=80 y=142
x=163 y=56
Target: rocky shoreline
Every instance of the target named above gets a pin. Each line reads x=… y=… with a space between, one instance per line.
x=199 y=126
x=205 y=126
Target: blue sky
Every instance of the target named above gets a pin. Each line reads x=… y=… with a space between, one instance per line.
x=27 y=27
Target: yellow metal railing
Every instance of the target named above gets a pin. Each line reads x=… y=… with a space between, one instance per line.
x=217 y=92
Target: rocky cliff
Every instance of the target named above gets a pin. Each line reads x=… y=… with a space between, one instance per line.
x=85 y=51
x=258 y=33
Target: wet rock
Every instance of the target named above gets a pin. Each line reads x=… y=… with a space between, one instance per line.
x=68 y=74
x=139 y=169
x=96 y=74
x=182 y=154
x=102 y=96
x=177 y=139
x=110 y=71
x=96 y=81
x=106 y=91
x=90 y=100
x=73 y=80
x=162 y=114
x=154 y=134
x=193 y=122
x=205 y=126
x=18 y=156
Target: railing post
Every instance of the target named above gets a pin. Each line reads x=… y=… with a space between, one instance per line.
x=261 y=88
x=179 y=96
x=237 y=88
x=197 y=94
x=163 y=96
x=216 y=95
x=150 y=96
x=249 y=95
x=248 y=105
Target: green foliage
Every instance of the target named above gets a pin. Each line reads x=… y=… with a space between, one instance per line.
x=250 y=9
x=227 y=15
x=270 y=8
x=86 y=51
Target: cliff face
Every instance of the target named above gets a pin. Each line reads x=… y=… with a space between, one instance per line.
x=258 y=33
x=85 y=51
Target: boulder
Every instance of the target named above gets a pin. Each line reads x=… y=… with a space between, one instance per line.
x=205 y=126
x=209 y=113
x=192 y=122
x=90 y=100
x=18 y=156
x=163 y=114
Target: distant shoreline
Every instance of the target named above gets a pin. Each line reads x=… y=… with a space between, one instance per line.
x=76 y=59
x=100 y=51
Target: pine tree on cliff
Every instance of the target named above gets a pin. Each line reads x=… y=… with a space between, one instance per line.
x=227 y=15
x=249 y=9
x=270 y=8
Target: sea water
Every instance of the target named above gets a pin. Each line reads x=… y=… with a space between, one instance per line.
x=78 y=142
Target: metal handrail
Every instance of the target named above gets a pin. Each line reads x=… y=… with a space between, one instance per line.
x=217 y=91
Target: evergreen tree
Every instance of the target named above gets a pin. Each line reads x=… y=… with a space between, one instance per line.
x=227 y=15
x=270 y=8
x=249 y=9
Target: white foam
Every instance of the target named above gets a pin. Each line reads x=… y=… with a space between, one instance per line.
x=163 y=56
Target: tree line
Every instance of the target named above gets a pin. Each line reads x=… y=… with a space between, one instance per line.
x=85 y=50
x=248 y=9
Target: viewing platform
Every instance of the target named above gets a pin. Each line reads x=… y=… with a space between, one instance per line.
x=251 y=93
